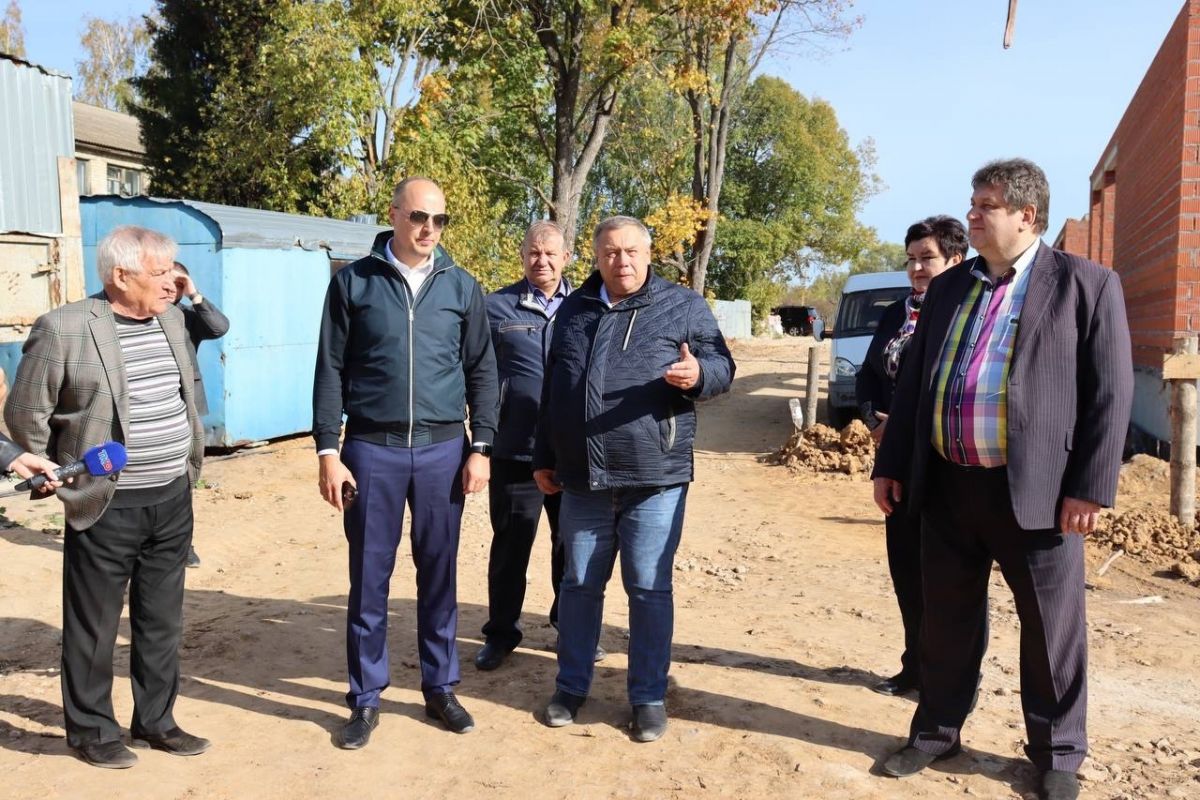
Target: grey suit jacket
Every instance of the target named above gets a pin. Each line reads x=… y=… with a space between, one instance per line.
x=1070 y=388
x=70 y=393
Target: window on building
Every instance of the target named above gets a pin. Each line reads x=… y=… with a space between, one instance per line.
x=81 y=176
x=124 y=181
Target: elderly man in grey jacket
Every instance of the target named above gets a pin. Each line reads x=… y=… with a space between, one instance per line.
x=115 y=366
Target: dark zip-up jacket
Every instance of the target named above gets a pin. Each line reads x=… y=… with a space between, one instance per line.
x=608 y=417
x=389 y=360
x=521 y=331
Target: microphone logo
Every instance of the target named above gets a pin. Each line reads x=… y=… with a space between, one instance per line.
x=105 y=461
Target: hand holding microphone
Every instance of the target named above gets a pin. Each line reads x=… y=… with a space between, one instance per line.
x=102 y=460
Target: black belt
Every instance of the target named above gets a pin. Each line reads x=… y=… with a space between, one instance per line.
x=398 y=434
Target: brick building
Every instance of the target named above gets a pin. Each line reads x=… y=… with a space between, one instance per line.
x=1144 y=215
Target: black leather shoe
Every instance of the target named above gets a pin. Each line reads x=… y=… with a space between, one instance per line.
x=107 y=755
x=176 y=741
x=898 y=684
x=490 y=656
x=1055 y=784
x=357 y=731
x=910 y=760
x=649 y=722
x=447 y=708
x=562 y=708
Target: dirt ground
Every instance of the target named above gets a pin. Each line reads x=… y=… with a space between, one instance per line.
x=784 y=618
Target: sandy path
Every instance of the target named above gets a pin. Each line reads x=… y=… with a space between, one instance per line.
x=784 y=616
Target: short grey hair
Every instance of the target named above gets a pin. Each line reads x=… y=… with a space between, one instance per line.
x=540 y=230
x=127 y=246
x=618 y=222
x=1024 y=184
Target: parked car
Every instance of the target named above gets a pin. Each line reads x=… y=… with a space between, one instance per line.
x=797 y=320
x=864 y=297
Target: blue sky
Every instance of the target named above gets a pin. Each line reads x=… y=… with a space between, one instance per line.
x=928 y=80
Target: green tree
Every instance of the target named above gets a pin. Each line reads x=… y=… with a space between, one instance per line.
x=794 y=186
x=196 y=45
x=12 y=32
x=116 y=51
x=588 y=52
x=876 y=256
x=718 y=46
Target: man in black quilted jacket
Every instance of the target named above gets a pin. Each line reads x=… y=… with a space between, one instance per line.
x=630 y=355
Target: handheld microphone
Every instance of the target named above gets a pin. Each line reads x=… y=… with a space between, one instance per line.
x=103 y=459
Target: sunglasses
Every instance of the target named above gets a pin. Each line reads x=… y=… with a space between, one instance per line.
x=421 y=217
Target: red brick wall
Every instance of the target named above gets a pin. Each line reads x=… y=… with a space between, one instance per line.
x=1145 y=210
x=1073 y=237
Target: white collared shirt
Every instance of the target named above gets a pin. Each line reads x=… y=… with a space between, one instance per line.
x=413 y=276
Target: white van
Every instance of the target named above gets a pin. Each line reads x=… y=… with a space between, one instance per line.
x=864 y=297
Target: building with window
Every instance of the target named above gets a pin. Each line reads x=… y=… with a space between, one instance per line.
x=109 y=156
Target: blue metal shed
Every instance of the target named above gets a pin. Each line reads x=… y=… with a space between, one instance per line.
x=268 y=272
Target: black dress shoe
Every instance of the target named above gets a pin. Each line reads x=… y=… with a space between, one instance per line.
x=107 y=755
x=176 y=741
x=562 y=708
x=649 y=722
x=910 y=760
x=357 y=731
x=490 y=656
x=447 y=708
x=1055 y=784
x=898 y=684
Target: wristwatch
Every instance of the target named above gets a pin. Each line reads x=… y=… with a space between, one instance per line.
x=197 y=299
x=482 y=448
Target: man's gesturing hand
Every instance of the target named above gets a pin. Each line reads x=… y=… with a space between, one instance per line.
x=685 y=372
x=332 y=475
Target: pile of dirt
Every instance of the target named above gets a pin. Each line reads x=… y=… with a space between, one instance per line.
x=1155 y=538
x=824 y=449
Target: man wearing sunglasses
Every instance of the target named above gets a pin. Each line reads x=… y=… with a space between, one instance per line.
x=404 y=350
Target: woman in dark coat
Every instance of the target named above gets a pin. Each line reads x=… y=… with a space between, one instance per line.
x=933 y=245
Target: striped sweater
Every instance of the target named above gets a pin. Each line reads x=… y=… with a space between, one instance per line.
x=159 y=433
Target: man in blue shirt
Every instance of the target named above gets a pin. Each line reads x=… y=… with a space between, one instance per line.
x=521 y=317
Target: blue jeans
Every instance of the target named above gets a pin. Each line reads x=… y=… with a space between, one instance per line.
x=643 y=525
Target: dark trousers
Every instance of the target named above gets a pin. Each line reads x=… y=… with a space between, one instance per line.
x=146 y=549
x=904 y=563
x=968 y=523
x=516 y=504
x=428 y=479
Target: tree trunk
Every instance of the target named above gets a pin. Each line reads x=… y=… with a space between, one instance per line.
x=718 y=133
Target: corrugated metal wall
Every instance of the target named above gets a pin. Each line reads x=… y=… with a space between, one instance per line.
x=35 y=129
x=733 y=317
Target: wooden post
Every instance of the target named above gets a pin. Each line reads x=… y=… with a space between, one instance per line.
x=1182 y=371
x=810 y=395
